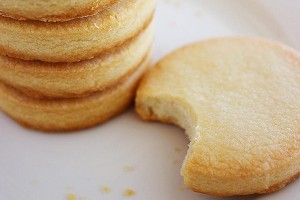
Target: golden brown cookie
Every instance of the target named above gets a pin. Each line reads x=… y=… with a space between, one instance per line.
x=52 y=10
x=78 y=39
x=68 y=80
x=239 y=101
x=70 y=114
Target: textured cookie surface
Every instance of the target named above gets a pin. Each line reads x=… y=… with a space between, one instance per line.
x=52 y=10
x=77 y=39
x=70 y=114
x=239 y=101
x=68 y=80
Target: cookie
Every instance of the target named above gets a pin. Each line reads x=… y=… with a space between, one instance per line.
x=70 y=114
x=52 y=10
x=69 y=80
x=238 y=100
x=78 y=39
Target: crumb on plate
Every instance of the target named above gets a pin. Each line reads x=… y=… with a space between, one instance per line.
x=128 y=192
x=105 y=189
x=178 y=149
x=175 y=162
x=71 y=196
x=128 y=168
x=34 y=182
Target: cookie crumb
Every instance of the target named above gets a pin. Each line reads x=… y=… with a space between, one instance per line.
x=198 y=14
x=182 y=188
x=105 y=190
x=129 y=193
x=128 y=168
x=175 y=162
x=34 y=182
x=71 y=196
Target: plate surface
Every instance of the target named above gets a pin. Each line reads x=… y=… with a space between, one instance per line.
x=127 y=153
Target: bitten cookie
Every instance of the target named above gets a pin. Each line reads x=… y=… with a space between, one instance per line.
x=239 y=101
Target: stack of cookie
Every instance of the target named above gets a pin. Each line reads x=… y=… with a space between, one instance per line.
x=66 y=65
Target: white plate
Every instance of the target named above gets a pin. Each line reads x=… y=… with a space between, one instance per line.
x=35 y=166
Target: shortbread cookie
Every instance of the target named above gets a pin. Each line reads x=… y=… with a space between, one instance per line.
x=69 y=114
x=239 y=101
x=52 y=10
x=78 y=39
x=68 y=80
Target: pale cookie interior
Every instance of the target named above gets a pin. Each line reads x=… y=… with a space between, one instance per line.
x=239 y=101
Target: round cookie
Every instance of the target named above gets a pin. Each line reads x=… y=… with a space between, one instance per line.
x=68 y=80
x=70 y=114
x=78 y=39
x=52 y=10
x=239 y=101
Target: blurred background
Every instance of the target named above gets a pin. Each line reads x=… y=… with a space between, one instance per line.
x=180 y=22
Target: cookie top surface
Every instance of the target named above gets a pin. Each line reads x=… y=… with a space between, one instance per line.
x=238 y=99
x=75 y=40
x=52 y=10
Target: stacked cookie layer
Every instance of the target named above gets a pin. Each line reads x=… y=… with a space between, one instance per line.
x=67 y=75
